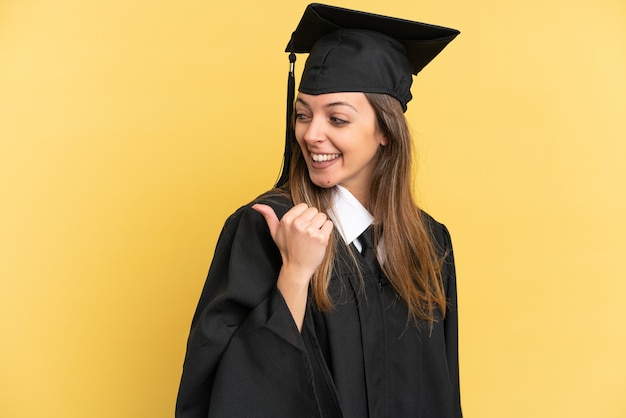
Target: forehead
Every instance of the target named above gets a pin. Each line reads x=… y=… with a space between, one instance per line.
x=356 y=100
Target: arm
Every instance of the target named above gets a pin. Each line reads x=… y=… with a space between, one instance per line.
x=241 y=315
x=302 y=236
x=244 y=351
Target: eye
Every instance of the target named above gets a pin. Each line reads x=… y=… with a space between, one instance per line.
x=301 y=117
x=338 y=121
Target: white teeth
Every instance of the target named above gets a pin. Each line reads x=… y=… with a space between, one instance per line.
x=323 y=157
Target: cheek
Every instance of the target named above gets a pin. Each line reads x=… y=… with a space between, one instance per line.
x=299 y=137
x=299 y=140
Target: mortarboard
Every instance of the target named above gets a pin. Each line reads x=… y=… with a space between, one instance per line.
x=353 y=51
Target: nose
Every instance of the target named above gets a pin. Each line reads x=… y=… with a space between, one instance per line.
x=314 y=131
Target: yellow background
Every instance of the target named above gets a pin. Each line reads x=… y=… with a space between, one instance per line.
x=130 y=129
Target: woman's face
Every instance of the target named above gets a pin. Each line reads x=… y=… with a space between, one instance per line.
x=339 y=138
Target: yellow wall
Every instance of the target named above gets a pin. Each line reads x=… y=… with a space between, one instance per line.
x=130 y=129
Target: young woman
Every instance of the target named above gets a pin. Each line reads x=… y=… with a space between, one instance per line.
x=334 y=295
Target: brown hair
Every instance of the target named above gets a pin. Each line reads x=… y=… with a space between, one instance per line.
x=410 y=263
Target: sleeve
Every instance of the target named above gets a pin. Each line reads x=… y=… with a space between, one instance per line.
x=451 y=325
x=244 y=351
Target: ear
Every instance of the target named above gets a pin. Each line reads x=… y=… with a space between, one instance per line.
x=382 y=140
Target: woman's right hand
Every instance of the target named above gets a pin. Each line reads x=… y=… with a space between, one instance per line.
x=302 y=236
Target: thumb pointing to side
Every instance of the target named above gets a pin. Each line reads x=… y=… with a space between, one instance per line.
x=302 y=236
x=270 y=217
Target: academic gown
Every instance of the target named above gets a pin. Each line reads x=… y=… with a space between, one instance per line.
x=246 y=358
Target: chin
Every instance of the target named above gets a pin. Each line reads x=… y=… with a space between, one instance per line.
x=324 y=184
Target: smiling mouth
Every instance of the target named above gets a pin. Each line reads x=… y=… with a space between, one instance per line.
x=319 y=158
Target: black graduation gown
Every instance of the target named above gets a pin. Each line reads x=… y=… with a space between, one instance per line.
x=246 y=358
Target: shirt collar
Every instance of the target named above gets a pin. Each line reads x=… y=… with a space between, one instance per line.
x=348 y=215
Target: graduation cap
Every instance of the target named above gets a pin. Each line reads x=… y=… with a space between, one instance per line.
x=353 y=51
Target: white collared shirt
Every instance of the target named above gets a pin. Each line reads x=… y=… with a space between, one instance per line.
x=349 y=216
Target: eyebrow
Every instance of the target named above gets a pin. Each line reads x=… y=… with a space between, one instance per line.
x=333 y=104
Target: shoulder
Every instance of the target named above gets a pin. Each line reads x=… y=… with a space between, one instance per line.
x=440 y=238
x=246 y=236
x=245 y=215
x=438 y=231
x=279 y=200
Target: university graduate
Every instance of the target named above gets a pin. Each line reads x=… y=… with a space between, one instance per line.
x=333 y=294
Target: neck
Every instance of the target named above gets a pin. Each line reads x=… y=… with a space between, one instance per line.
x=361 y=195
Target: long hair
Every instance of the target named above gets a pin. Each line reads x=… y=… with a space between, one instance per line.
x=410 y=263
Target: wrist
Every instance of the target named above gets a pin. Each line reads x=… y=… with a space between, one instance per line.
x=293 y=284
x=294 y=276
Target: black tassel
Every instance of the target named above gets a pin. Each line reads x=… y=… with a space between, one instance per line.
x=291 y=91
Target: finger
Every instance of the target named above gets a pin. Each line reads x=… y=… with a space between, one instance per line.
x=270 y=217
x=327 y=228
x=295 y=212
x=310 y=213
x=318 y=220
